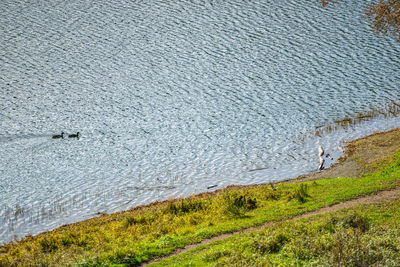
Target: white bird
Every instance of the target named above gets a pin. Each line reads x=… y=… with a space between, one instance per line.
x=321 y=163
x=320 y=151
x=321 y=159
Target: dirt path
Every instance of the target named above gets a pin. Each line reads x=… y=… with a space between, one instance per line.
x=383 y=195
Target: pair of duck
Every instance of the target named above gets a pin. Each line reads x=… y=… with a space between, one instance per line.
x=56 y=136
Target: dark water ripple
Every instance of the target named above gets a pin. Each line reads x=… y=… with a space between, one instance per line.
x=173 y=97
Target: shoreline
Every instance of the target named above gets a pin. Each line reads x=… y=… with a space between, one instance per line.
x=135 y=234
x=41 y=223
x=335 y=168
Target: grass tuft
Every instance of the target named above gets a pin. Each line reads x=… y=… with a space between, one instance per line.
x=185 y=206
x=356 y=221
x=300 y=193
x=271 y=244
x=236 y=205
x=48 y=244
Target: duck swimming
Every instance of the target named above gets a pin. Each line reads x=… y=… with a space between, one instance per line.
x=74 y=135
x=56 y=136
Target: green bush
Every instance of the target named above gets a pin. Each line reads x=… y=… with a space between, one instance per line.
x=353 y=220
x=349 y=249
x=272 y=244
x=186 y=205
x=139 y=219
x=300 y=193
x=67 y=240
x=356 y=221
x=215 y=255
x=271 y=193
x=48 y=244
x=237 y=205
x=129 y=221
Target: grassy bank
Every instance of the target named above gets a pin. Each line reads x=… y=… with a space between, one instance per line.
x=151 y=231
x=368 y=235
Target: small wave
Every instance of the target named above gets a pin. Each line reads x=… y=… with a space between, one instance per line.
x=152 y=188
x=11 y=138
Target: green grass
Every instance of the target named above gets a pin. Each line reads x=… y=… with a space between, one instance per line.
x=136 y=236
x=368 y=235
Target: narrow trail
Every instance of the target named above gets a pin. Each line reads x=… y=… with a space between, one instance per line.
x=388 y=195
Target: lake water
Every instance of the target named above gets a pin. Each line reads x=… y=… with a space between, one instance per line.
x=172 y=97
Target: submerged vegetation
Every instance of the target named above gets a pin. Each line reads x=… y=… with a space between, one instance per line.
x=390 y=111
x=144 y=233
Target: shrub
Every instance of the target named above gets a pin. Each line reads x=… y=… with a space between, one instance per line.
x=350 y=250
x=48 y=244
x=272 y=244
x=138 y=219
x=67 y=240
x=353 y=220
x=195 y=218
x=356 y=221
x=215 y=255
x=271 y=194
x=237 y=205
x=129 y=221
x=300 y=193
x=186 y=205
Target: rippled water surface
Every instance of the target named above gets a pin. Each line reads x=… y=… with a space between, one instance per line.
x=174 y=96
